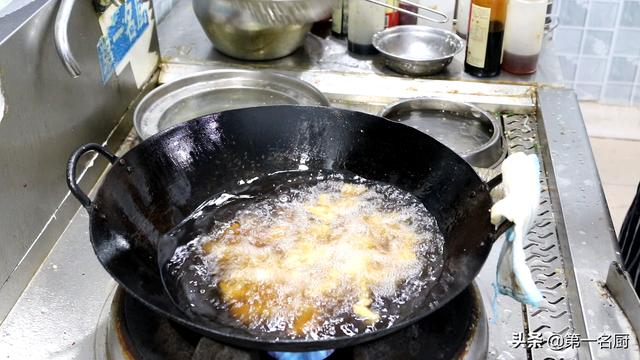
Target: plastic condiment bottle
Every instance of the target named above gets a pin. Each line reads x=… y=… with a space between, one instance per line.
x=340 y=17
x=523 y=35
x=462 y=17
x=366 y=19
x=444 y=6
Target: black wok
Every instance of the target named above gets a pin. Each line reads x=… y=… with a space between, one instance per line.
x=157 y=184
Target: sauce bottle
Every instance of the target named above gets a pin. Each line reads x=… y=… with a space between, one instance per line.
x=406 y=19
x=391 y=17
x=340 y=18
x=523 y=35
x=462 y=18
x=484 y=40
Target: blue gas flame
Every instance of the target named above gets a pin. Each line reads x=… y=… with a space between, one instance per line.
x=311 y=355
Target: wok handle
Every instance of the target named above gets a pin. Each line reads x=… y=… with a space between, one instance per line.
x=505 y=224
x=500 y=229
x=497 y=180
x=72 y=182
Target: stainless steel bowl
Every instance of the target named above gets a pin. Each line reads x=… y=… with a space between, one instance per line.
x=218 y=90
x=242 y=29
x=471 y=132
x=417 y=50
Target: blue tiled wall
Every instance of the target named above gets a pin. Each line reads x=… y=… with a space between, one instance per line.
x=598 y=42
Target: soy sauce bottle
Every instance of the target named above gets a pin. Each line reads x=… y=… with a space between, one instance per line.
x=484 y=39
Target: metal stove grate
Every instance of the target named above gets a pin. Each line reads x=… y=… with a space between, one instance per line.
x=542 y=249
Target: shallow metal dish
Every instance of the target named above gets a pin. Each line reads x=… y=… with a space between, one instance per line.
x=471 y=132
x=417 y=50
x=218 y=90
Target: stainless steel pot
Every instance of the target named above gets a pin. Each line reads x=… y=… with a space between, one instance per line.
x=245 y=29
x=471 y=132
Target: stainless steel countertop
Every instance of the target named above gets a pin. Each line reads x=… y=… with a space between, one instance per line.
x=578 y=198
x=59 y=314
x=182 y=41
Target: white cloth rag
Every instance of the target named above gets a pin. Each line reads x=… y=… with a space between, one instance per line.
x=521 y=180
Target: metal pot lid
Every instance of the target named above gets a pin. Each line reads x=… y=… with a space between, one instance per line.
x=471 y=132
x=218 y=90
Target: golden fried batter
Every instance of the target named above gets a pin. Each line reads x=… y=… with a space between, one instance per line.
x=317 y=256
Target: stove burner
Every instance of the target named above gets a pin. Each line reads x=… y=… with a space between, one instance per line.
x=459 y=330
x=312 y=355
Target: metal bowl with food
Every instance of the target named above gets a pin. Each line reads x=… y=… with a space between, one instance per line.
x=417 y=50
x=258 y=29
x=218 y=90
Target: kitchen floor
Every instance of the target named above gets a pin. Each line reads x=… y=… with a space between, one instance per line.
x=617 y=153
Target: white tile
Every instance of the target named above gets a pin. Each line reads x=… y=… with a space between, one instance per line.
x=631 y=14
x=619 y=198
x=617 y=94
x=617 y=160
x=573 y=12
x=568 y=65
x=602 y=14
x=627 y=42
x=597 y=42
x=591 y=69
x=608 y=121
x=619 y=169
x=623 y=68
x=587 y=92
x=636 y=96
x=567 y=41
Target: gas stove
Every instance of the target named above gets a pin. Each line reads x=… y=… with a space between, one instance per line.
x=72 y=309
x=459 y=330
